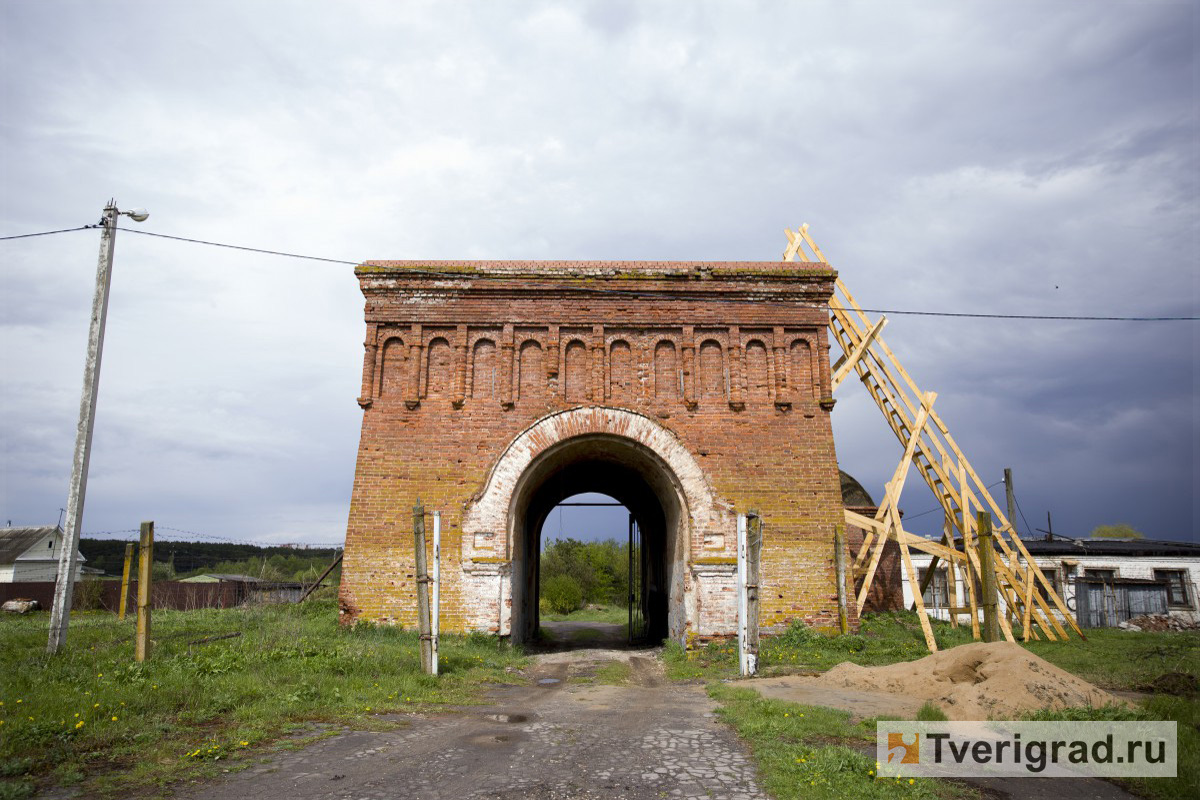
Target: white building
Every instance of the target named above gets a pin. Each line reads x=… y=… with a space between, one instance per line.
x=1121 y=577
x=31 y=554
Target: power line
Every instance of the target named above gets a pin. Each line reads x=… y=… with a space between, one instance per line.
x=1030 y=316
x=911 y=517
x=220 y=539
x=1028 y=527
x=634 y=293
x=240 y=247
x=46 y=233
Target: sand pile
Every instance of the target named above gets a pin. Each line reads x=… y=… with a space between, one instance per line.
x=1000 y=680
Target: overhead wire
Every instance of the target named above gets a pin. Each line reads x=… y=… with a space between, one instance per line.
x=633 y=293
x=301 y=546
x=910 y=517
x=45 y=233
x=1028 y=527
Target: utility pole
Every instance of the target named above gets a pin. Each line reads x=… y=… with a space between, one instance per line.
x=1012 y=502
x=65 y=589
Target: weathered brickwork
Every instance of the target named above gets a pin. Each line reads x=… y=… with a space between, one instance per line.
x=689 y=391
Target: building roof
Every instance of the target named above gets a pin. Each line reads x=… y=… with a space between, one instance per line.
x=853 y=493
x=15 y=541
x=210 y=577
x=1059 y=546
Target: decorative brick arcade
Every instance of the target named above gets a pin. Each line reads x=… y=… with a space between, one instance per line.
x=688 y=391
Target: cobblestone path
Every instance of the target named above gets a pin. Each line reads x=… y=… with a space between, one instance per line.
x=561 y=737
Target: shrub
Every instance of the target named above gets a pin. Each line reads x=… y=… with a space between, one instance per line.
x=89 y=594
x=562 y=594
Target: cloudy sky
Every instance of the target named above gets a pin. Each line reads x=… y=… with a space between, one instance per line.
x=984 y=157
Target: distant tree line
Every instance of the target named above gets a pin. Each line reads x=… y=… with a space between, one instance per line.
x=173 y=560
x=575 y=573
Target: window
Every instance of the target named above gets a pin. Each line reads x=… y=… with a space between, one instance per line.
x=1106 y=575
x=1177 y=586
x=937 y=593
x=1052 y=579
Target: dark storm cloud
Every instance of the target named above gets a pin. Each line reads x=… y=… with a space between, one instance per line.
x=994 y=157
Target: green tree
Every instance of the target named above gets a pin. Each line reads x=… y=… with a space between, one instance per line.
x=1122 y=530
x=562 y=594
x=601 y=569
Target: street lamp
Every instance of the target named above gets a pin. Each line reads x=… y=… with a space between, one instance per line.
x=65 y=588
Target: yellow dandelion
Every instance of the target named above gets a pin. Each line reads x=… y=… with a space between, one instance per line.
x=79 y=724
x=245 y=744
x=911 y=781
x=101 y=675
x=95 y=705
x=20 y=701
x=114 y=719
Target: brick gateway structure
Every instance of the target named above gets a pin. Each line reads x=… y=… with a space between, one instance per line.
x=687 y=391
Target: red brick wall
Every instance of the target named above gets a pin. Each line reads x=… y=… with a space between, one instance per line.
x=461 y=357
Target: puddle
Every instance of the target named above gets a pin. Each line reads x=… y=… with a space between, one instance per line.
x=507 y=718
x=548 y=681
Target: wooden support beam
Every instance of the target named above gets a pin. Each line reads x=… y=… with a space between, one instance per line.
x=847 y=362
x=869 y=577
x=951 y=572
x=926 y=628
x=987 y=571
x=125 y=580
x=145 y=578
x=942 y=464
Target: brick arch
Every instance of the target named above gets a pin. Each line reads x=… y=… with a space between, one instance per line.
x=492 y=520
x=454 y=452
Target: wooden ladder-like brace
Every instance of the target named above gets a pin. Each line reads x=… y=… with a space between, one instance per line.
x=939 y=461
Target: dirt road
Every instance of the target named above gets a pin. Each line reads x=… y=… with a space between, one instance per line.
x=564 y=736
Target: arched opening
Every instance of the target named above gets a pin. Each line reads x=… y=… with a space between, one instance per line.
x=590 y=568
x=637 y=478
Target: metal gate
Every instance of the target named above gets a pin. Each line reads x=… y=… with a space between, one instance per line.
x=637 y=584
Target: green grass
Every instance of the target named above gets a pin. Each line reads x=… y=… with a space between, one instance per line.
x=602 y=614
x=1115 y=659
x=1183 y=710
x=815 y=752
x=614 y=673
x=1112 y=659
x=92 y=716
x=929 y=712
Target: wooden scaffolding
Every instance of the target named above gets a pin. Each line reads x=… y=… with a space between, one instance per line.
x=1029 y=599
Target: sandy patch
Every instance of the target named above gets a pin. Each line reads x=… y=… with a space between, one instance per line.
x=1000 y=680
